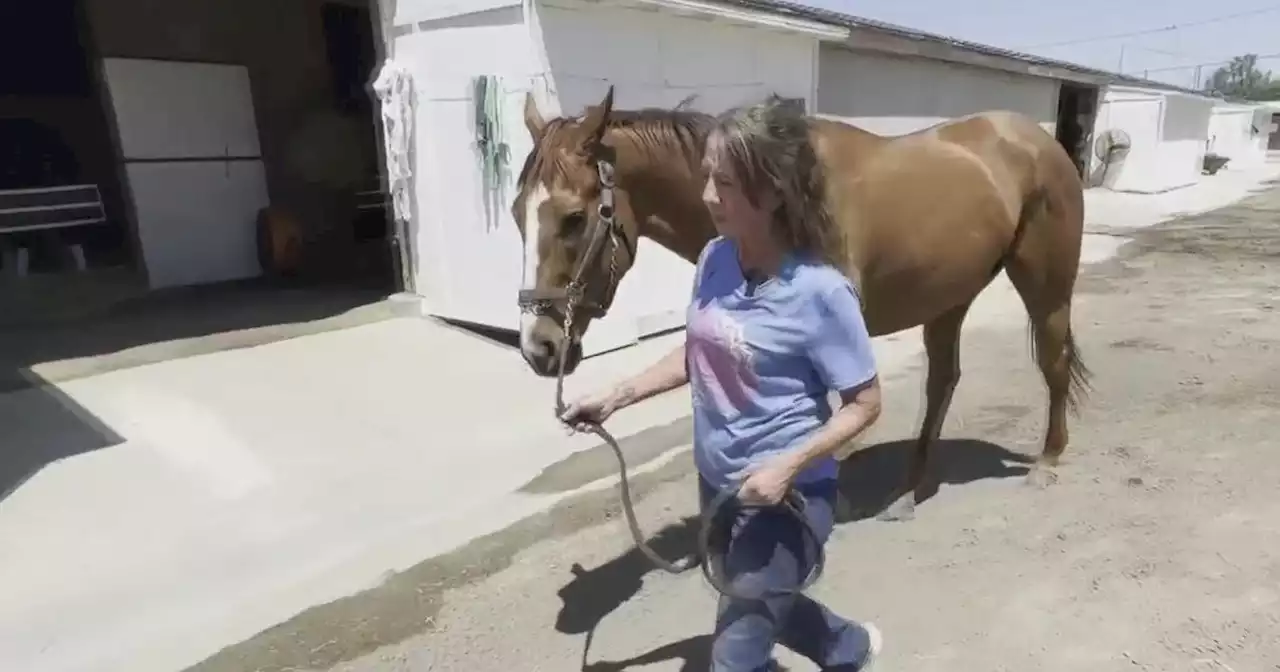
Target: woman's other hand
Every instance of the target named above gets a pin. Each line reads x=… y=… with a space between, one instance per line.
x=768 y=484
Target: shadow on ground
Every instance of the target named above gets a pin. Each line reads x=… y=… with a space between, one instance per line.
x=868 y=480
x=217 y=315
x=40 y=425
x=694 y=651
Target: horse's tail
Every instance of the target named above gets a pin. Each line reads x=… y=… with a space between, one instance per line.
x=1081 y=376
x=1038 y=209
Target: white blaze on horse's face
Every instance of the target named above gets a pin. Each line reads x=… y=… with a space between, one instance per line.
x=532 y=259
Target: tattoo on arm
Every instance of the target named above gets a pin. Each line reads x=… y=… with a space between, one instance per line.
x=626 y=394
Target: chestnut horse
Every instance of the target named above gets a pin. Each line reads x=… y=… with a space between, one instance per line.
x=931 y=218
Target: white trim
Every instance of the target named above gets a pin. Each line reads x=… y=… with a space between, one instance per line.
x=94 y=202
x=49 y=190
x=50 y=208
x=409 y=14
x=818 y=29
x=53 y=225
x=1158 y=92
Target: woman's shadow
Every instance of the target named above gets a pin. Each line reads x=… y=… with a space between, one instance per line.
x=868 y=480
x=694 y=651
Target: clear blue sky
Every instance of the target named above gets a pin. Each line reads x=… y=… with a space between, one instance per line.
x=1024 y=24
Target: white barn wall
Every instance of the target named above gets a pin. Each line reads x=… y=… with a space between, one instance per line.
x=893 y=95
x=567 y=53
x=1232 y=134
x=1167 y=130
x=468 y=261
x=1184 y=133
x=1137 y=114
x=657 y=58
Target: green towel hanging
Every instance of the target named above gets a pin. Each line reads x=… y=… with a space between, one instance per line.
x=491 y=142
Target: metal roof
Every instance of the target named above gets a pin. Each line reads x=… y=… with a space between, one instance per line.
x=786 y=8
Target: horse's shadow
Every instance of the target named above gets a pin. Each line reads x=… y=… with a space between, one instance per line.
x=868 y=480
x=872 y=476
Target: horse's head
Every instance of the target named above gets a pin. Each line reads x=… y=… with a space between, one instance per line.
x=579 y=233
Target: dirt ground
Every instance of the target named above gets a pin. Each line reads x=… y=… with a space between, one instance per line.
x=1158 y=548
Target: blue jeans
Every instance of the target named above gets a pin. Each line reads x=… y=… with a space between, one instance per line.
x=768 y=550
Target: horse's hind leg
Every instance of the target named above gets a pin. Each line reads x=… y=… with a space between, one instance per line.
x=942 y=348
x=1046 y=293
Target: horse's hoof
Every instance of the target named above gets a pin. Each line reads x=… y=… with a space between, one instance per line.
x=1041 y=477
x=901 y=510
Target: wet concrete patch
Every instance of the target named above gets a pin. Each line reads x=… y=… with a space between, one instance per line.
x=406 y=603
x=593 y=464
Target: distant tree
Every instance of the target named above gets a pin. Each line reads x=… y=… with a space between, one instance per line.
x=1241 y=78
x=1269 y=92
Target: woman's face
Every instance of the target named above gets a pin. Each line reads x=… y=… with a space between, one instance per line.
x=735 y=217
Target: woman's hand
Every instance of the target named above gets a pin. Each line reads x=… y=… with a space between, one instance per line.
x=594 y=408
x=768 y=484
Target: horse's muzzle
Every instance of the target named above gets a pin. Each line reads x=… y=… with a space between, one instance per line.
x=543 y=355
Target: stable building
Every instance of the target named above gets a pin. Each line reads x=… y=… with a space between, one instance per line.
x=1149 y=140
x=154 y=145
x=656 y=53
x=473 y=64
x=1240 y=132
x=221 y=140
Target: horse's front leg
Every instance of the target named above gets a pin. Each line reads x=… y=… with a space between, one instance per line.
x=942 y=348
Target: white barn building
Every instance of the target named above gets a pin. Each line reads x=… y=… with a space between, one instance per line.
x=1166 y=132
x=891 y=80
x=191 y=127
x=567 y=52
x=1241 y=132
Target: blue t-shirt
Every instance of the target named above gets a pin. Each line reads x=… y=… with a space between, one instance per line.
x=762 y=361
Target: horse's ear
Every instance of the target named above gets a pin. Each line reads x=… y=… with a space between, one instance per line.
x=596 y=121
x=532 y=117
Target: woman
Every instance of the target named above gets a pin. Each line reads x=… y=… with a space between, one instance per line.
x=773 y=326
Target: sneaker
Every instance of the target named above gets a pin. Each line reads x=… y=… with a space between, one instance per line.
x=875 y=642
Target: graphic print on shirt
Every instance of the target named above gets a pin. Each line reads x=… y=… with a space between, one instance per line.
x=720 y=359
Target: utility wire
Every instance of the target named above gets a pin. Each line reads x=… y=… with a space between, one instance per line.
x=1261 y=57
x=1163 y=29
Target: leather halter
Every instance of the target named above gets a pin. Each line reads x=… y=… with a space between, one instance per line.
x=573 y=296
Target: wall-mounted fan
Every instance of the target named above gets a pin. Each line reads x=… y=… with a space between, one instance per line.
x=1111 y=146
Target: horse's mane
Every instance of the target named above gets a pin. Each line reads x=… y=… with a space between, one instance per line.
x=652 y=129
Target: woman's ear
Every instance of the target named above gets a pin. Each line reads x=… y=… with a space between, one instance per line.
x=771 y=201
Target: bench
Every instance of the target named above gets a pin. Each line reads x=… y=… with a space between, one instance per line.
x=47 y=209
x=371 y=208
x=373 y=199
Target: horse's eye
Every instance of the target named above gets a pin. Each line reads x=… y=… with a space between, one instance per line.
x=573 y=223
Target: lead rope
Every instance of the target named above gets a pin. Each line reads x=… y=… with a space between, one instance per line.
x=712 y=561
x=628 y=508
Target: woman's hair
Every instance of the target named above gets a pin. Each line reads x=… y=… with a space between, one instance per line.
x=767 y=147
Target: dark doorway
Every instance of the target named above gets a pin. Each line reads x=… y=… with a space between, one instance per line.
x=54 y=133
x=1077 y=105
x=349 y=45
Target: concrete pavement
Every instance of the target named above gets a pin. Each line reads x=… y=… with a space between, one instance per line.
x=203 y=499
